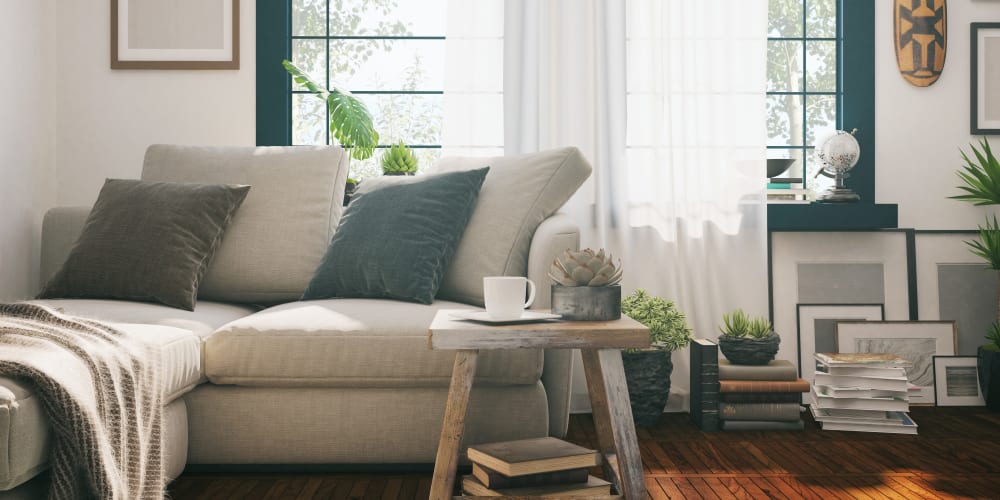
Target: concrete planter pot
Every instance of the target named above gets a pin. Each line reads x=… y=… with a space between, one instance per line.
x=748 y=350
x=647 y=375
x=988 y=367
x=587 y=303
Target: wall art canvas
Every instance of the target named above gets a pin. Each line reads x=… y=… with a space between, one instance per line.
x=956 y=381
x=985 y=78
x=179 y=34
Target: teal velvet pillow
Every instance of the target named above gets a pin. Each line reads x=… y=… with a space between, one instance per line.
x=396 y=241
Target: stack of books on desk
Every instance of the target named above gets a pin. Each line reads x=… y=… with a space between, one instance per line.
x=539 y=467
x=764 y=397
x=786 y=190
x=862 y=393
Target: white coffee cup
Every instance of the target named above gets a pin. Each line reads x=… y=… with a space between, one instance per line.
x=505 y=296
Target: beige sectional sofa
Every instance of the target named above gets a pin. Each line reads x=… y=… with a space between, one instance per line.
x=337 y=381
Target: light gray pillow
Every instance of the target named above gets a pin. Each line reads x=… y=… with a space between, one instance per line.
x=519 y=193
x=147 y=242
x=283 y=228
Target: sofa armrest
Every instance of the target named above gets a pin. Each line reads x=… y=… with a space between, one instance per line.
x=60 y=230
x=553 y=236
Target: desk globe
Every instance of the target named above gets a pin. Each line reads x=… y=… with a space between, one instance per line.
x=838 y=153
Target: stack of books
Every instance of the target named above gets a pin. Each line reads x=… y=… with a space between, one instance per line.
x=540 y=467
x=786 y=190
x=862 y=393
x=756 y=398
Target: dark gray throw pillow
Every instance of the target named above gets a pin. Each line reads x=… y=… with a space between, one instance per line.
x=147 y=242
x=396 y=241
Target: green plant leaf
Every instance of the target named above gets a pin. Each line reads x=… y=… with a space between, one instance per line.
x=993 y=336
x=668 y=328
x=350 y=121
x=981 y=177
x=988 y=245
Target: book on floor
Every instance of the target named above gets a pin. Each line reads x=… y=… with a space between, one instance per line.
x=493 y=479
x=761 y=397
x=903 y=425
x=778 y=369
x=862 y=360
x=861 y=371
x=797 y=385
x=860 y=392
x=882 y=383
x=761 y=425
x=592 y=487
x=881 y=404
x=759 y=411
x=705 y=384
x=856 y=416
x=532 y=456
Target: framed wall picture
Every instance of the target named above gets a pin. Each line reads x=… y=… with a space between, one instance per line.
x=956 y=381
x=859 y=267
x=954 y=284
x=916 y=341
x=985 y=78
x=180 y=34
x=817 y=325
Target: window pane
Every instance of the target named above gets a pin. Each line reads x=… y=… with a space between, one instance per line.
x=784 y=18
x=309 y=17
x=821 y=66
x=822 y=117
x=784 y=120
x=387 y=17
x=413 y=119
x=310 y=56
x=387 y=64
x=821 y=18
x=784 y=66
x=308 y=119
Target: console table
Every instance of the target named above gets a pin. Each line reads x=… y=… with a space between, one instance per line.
x=600 y=343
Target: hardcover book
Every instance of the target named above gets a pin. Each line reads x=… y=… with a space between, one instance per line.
x=881 y=404
x=761 y=425
x=762 y=397
x=778 y=369
x=882 y=383
x=592 y=487
x=532 y=456
x=798 y=385
x=493 y=479
x=705 y=384
x=784 y=412
x=861 y=371
x=862 y=360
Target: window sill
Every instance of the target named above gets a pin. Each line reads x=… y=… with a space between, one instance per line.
x=832 y=217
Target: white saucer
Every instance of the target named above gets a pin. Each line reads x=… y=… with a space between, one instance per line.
x=483 y=316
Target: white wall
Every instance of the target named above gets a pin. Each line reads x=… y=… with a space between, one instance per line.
x=918 y=131
x=107 y=118
x=27 y=138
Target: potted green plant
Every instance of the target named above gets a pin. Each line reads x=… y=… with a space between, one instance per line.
x=399 y=160
x=982 y=187
x=746 y=340
x=647 y=371
x=586 y=285
x=349 y=188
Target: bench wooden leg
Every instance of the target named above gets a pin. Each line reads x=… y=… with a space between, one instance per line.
x=446 y=463
x=613 y=420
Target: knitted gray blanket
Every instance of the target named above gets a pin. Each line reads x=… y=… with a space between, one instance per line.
x=101 y=392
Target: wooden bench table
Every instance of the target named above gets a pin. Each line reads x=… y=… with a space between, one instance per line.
x=600 y=343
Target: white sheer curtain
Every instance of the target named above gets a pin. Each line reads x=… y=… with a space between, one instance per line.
x=666 y=98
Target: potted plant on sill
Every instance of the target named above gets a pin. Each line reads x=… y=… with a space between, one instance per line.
x=982 y=187
x=399 y=160
x=647 y=371
x=746 y=340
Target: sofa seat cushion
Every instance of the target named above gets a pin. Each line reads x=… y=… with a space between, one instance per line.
x=349 y=343
x=24 y=430
x=205 y=319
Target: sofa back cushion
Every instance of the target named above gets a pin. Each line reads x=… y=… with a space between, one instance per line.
x=519 y=193
x=284 y=226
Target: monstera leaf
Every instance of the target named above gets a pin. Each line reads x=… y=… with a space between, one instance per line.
x=350 y=121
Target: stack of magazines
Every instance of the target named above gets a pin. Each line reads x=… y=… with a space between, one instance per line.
x=862 y=393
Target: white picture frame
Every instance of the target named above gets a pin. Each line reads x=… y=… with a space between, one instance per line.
x=956 y=381
x=180 y=34
x=807 y=314
x=916 y=341
x=984 y=75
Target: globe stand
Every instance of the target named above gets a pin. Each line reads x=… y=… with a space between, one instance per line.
x=839 y=193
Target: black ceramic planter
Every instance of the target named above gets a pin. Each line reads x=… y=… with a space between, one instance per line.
x=749 y=351
x=988 y=364
x=587 y=303
x=647 y=375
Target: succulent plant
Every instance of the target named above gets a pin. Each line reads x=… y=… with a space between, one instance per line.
x=585 y=268
x=740 y=324
x=668 y=328
x=399 y=160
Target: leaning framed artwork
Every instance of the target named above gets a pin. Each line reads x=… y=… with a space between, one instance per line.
x=817 y=329
x=956 y=381
x=985 y=78
x=916 y=341
x=180 y=34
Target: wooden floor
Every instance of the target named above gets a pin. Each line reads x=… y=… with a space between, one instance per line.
x=956 y=455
